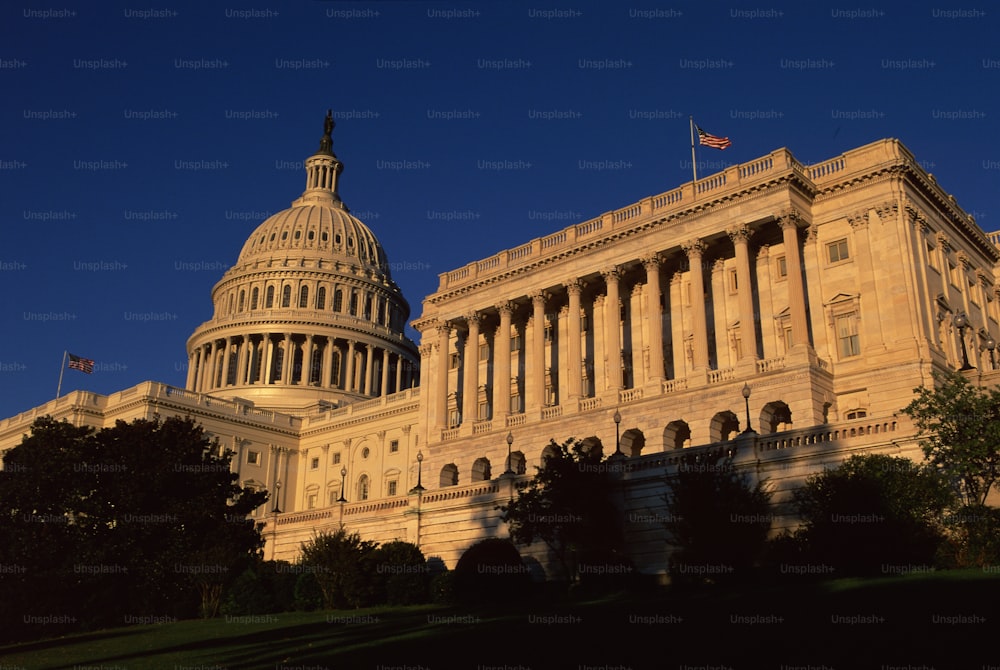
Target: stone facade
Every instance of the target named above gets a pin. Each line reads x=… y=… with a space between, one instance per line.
x=827 y=291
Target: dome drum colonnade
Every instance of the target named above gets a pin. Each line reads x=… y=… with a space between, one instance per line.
x=309 y=304
x=592 y=302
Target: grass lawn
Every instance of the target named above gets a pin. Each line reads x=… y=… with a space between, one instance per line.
x=941 y=619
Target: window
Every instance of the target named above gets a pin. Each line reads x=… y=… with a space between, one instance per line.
x=363 y=487
x=847 y=335
x=393 y=446
x=311 y=501
x=781 y=267
x=303 y=296
x=269 y=298
x=390 y=487
x=837 y=251
x=354 y=303
x=253 y=457
x=857 y=414
x=932 y=256
x=515 y=404
x=483 y=411
x=549 y=332
x=368 y=308
x=366 y=452
x=453 y=361
x=336 y=458
x=243 y=295
x=321 y=298
x=338 y=300
x=286 y=295
x=734 y=282
x=484 y=352
x=454 y=418
x=253 y=299
x=314 y=463
x=515 y=342
x=585 y=322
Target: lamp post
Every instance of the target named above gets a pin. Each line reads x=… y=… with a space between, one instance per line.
x=746 y=399
x=277 y=492
x=618 y=441
x=343 y=476
x=420 y=460
x=991 y=346
x=961 y=322
x=510 y=441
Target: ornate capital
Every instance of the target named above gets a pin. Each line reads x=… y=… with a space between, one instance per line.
x=964 y=259
x=504 y=308
x=695 y=247
x=651 y=261
x=472 y=318
x=538 y=298
x=614 y=272
x=573 y=287
x=718 y=265
x=763 y=252
x=443 y=329
x=812 y=233
x=888 y=209
x=983 y=278
x=426 y=350
x=943 y=242
x=739 y=233
x=789 y=218
x=858 y=220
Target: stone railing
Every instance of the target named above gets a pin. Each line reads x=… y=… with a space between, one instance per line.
x=448 y=493
x=363 y=407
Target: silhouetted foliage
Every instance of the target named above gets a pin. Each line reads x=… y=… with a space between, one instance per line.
x=972 y=538
x=442 y=588
x=567 y=505
x=490 y=571
x=136 y=522
x=308 y=594
x=401 y=576
x=960 y=433
x=717 y=520
x=342 y=563
x=873 y=514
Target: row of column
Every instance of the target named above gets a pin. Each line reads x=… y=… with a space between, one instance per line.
x=209 y=364
x=536 y=369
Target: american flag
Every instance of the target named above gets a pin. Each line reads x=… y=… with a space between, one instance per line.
x=711 y=140
x=81 y=364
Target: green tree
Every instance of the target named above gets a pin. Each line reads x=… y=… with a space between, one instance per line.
x=568 y=506
x=718 y=520
x=342 y=563
x=401 y=574
x=143 y=518
x=959 y=427
x=871 y=512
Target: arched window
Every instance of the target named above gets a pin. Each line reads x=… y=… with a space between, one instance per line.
x=354 y=303
x=724 y=426
x=449 y=475
x=517 y=464
x=363 y=487
x=286 y=295
x=269 y=297
x=303 y=297
x=481 y=470
x=243 y=295
x=321 y=298
x=368 y=307
x=676 y=435
x=338 y=300
x=775 y=417
x=231 y=303
x=548 y=452
x=253 y=299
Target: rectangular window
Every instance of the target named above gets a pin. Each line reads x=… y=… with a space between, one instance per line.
x=781 y=267
x=585 y=323
x=454 y=418
x=515 y=404
x=311 y=501
x=336 y=457
x=734 y=282
x=393 y=446
x=515 y=343
x=847 y=335
x=390 y=487
x=484 y=352
x=453 y=361
x=484 y=411
x=314 y=463
x=953 y=273
x=837 y=251
x=787 y=334
x=548 y=332
x=253 y=457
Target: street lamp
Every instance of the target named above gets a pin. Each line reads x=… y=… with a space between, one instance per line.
x=991 y=346
x=961 y=322
x=746 y=399
x=277 y=491
x=510 y=441
x=420 y=460
x=618 y=442
x=343 y=475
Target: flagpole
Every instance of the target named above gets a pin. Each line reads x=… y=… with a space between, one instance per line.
x=62 y=368
x=694 y=163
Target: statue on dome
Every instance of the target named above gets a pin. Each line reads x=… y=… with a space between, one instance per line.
x=326 y=144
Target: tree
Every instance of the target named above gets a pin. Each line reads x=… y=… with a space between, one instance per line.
x=401 y=576
x=871 y=512
x=567 y=505
x=143 y=518
x=959 y=427
x=718 y=521
x=342 y=563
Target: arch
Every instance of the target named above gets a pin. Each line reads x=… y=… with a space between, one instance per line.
x=724 y=426
x=449 y=475
x=286 y=295
x=338 y=300
x=775 y=417
x=364 y=487
x=517 y=463
x=550 y=451
x=632 y=442
x=676 y=435
x=242 y=300
x=253 y=298
x=354 y=303
x=481 y=470
x=303 y=297
x=588 y=444
x=269 y=297
x=321 y=298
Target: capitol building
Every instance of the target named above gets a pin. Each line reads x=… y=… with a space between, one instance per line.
x=809 y=301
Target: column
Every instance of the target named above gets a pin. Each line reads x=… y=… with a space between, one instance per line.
x=536 y=372
x=655 y=317
x=326 y=370
x=208 y=382
x=740 y=235
x=441 y=390
x=369 y=359
x=501 y=362
x=192 y=368
x=470 y=385
x=268 y=359
x=305 y=375
x=868 y=283
x=349 y=369
x=399 y=372
x=574 y=363
x=384 y=386
x=224 y=382
x=612 y=328
x=695 y=250
x=677 y=330
x=287 y=360
x=241 y=361
x=788 y=221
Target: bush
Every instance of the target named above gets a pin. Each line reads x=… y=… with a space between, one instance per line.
x=307 y=594
x=490 y=571
x=341 y=562
x=400 y=574
x=442 y=588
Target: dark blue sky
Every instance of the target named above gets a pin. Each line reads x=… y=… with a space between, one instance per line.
x=113 y=241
